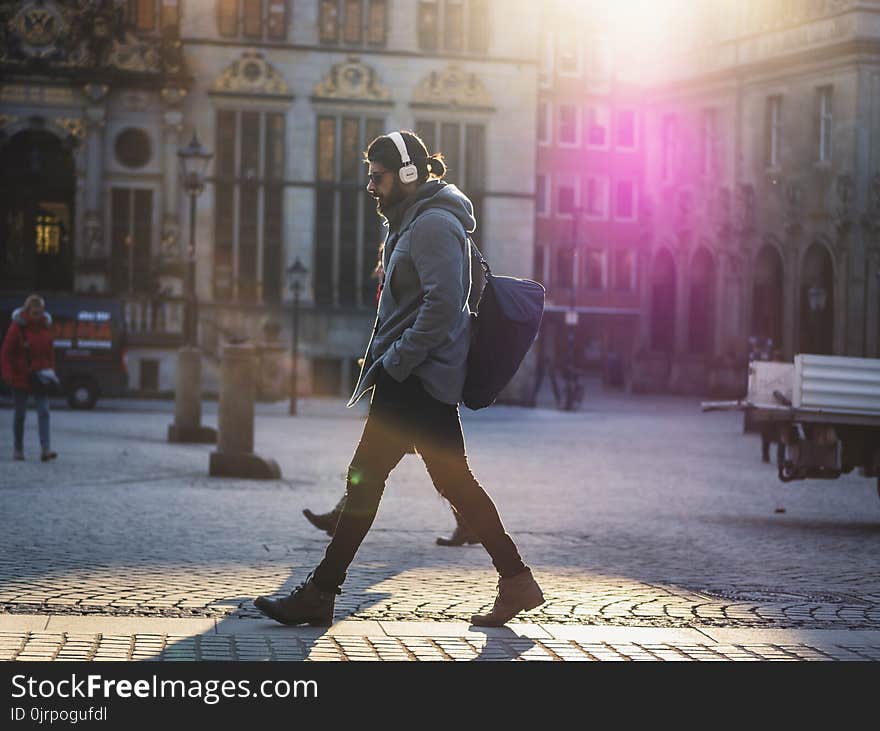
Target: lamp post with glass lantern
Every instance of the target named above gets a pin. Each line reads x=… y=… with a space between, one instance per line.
x=194 y=159
x=296 y=274
x=817 y=298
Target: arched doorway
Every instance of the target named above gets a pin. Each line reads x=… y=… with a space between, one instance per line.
x=37 y=186
x=767 y=296
x=817 y=302
x=701 y=303
x=663 y=302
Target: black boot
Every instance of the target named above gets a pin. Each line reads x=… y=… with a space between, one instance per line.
x=323 y=521
x=307 y=604
x=461 y=535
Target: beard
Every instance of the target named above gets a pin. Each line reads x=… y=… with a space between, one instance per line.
x=386 y=202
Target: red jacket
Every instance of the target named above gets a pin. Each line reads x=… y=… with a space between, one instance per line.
x=13 y=361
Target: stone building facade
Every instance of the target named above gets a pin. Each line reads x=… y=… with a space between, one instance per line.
x=764 y=187
x=286 y=94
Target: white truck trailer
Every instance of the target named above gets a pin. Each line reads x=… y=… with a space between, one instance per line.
x=823 y=412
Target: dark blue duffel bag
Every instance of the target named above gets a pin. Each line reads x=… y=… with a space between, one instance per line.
x=504 y=327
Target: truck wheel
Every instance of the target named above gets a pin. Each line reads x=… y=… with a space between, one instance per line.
x=82 y=394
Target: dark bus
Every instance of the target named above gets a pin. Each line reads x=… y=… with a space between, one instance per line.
x=89 y=334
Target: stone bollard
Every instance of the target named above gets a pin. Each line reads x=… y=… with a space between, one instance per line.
x=187 y=426
x=235 y=442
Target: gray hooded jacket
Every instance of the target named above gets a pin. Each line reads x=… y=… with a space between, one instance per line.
x=423 y=321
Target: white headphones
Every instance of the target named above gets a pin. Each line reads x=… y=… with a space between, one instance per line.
x=408 y=173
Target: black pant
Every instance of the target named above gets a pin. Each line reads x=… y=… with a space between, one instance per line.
x=402 y=414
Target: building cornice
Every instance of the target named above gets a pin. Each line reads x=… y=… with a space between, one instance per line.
x=367 y=51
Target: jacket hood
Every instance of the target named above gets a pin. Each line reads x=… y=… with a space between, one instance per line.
x=446 y=196
x=18 y=317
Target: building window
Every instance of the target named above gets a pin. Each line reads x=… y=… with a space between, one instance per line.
x=131 y=236
x=568 y=55
x=625 y=201
x=824 y=123
x=569 y=126
x=773 y=131
x=542 y=190
x=544 y=122
x=669 y=137
x=464 y=148
x=147 y=16
x=599 y=58
x=133 y=148
x=347 y=228
x=253 y=19
x=597 y=127
x=594 y=269
x=461 y=25
x=567 y=195
x=377 y=22
x=627 y=129
x=708 y=140
x=564 y=268
x=249 y=211
x=625 y=270
x=354 y=21
x=596 y=197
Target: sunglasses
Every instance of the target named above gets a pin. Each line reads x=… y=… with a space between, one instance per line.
x=376 y=178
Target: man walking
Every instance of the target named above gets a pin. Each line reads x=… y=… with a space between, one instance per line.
x=415 y=364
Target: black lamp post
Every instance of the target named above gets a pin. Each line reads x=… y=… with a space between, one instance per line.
x=817 y=298
x=296 y=274
x=572 y=385
x=187 y=426
x=194 y=161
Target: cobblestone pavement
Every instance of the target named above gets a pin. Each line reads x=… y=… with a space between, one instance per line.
x=73 y=647
x=638 y=511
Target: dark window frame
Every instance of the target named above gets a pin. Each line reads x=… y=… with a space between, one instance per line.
x=234 y=24
x=364 y=24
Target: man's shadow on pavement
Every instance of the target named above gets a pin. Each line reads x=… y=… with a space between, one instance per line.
x=247 y=634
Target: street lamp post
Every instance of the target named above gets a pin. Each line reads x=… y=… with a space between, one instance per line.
x=572 y=383
x=194 y=159
x=296 y=274
x=816 y=299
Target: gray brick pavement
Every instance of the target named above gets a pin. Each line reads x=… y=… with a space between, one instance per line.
x=636 y=512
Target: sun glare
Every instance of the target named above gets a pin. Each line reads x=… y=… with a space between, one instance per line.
x=636 y=27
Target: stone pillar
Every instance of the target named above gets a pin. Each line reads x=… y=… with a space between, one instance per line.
x=187 y=426
x=172 y=127
x=872 y=305
x=235 y=443
x=643 y=339
x=678 y=378
x=724 y=296
x=841 y=302
x=791 y=301
x=682 y=296
x=95 y=115
x=747 y=303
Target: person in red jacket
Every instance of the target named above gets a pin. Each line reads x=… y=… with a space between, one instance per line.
x=28 y=348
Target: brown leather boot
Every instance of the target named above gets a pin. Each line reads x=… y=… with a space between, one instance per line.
x=323 y=521
x=515 y=594
x=461 y=535
x=307 y=604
